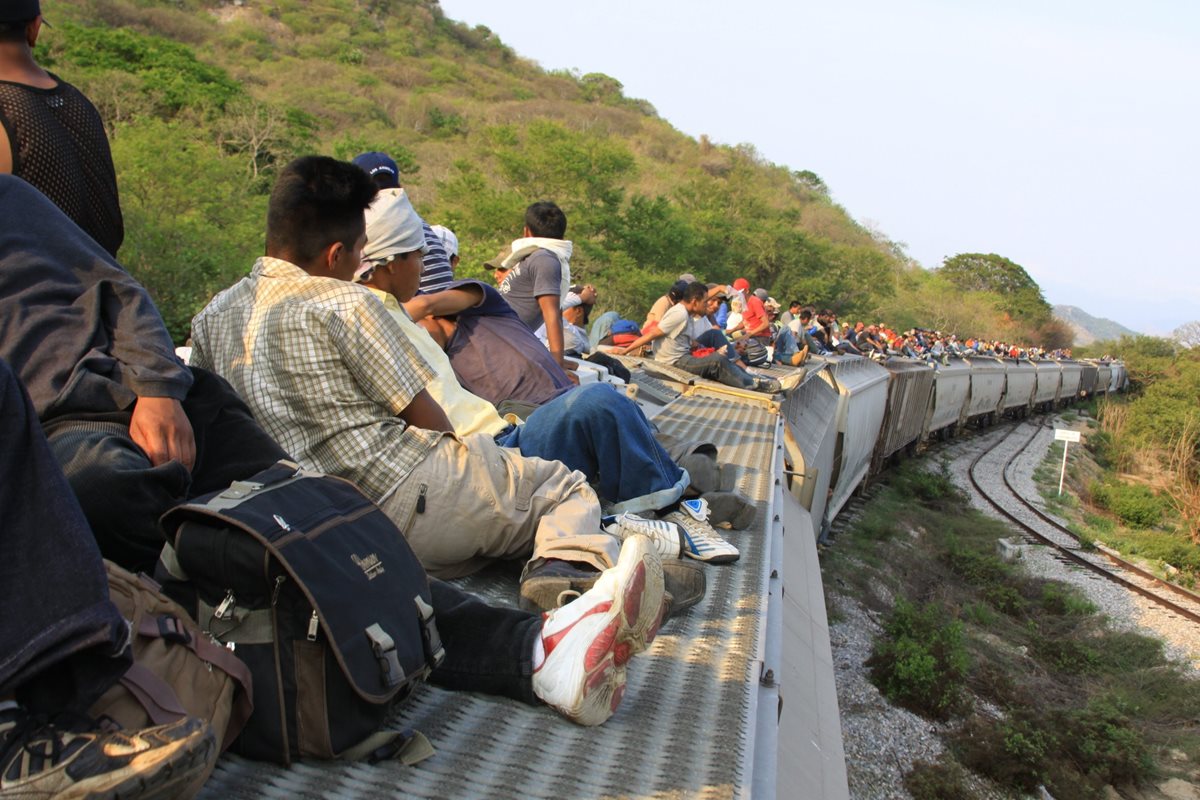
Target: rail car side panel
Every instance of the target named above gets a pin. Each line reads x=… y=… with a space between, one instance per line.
x=1072 y=373
x=1087 y=378
x=862 y=389
x=1117 y=381
x=811 y=413
x=1022 y=380
x=988 y=379
x=951 y=396
x=1049 y=379
x=910 y=387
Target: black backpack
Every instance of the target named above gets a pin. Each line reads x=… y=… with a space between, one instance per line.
x=318 y=592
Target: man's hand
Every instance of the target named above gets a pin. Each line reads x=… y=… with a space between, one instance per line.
x=162 y=430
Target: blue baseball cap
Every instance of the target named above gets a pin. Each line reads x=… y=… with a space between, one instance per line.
x=380 y=164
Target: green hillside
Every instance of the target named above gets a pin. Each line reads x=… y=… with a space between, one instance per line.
x=205 y=100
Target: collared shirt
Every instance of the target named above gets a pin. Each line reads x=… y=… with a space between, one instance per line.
x=324 y=368
x=468 y=413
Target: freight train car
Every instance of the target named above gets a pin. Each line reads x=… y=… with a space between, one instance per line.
x=910 y=394
x=950 y=405
x=1049 y=381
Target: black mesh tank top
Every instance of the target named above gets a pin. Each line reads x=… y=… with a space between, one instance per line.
x=58 y=145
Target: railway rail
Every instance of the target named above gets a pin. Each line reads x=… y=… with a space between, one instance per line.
x=1052 y=534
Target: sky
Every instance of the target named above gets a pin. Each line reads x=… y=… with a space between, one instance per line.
x=1063 y=135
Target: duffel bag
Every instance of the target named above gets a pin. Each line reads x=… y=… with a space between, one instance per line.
x=319 y=593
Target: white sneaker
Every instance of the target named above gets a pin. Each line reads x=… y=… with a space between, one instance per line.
x=700 y=540
x=584 y=646
x=666 y=536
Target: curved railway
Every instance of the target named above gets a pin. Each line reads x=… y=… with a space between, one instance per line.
x=1067 y=545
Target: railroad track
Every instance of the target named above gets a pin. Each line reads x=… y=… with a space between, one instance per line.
x=1039 y=528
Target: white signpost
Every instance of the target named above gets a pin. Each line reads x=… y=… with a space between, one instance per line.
x=1066 y=437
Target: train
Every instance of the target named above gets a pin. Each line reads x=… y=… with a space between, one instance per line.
x=852 y=416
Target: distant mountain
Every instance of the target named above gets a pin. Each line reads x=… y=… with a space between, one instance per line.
x=1090 y=329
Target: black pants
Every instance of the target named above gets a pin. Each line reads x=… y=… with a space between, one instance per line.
x=123 y=495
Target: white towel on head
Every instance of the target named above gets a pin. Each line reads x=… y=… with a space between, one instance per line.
x=393 y=226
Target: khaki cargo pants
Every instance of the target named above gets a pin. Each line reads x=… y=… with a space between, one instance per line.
x=471 y=501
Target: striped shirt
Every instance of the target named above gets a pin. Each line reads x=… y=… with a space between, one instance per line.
x=324 y=368
x=436 y=272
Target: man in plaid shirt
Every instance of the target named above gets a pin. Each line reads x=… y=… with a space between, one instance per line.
x=329 y=374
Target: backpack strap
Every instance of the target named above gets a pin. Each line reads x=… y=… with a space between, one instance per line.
x=153 y=694
x=170 y=629
x=408 y=747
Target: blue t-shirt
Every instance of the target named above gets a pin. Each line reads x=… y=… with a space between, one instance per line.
x=497 y=357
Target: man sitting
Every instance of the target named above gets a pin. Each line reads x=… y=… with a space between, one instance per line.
x=592 y=428
x=675 y=339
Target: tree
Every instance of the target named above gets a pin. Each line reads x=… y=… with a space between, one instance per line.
x=1020 y=295
x=1187 y=334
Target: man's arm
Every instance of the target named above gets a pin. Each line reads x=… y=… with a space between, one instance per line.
x=424 y=412
x=644 y=339
x=444 y=304
x=552 y=316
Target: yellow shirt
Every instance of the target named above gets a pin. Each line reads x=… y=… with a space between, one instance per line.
x=468 y=413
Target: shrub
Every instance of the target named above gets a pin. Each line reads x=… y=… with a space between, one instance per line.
x=1103 y=744
x=1058 y=598
x=945 y=780
x=1012 y=751
x=169 y=71
x=921 y=660
x=1135 y=505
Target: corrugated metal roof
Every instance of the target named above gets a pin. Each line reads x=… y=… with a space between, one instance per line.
x=684 y=726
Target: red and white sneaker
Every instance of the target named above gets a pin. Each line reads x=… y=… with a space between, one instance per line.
x=581 y=654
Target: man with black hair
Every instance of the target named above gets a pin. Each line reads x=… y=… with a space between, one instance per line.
x=793 y=310
x=539 y=273
x=51 y=135
x=330 y=374
x=675 y=339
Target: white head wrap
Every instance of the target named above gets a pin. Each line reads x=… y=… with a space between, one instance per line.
x=393 y=227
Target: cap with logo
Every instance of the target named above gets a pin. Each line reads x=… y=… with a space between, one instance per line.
x=376 y=163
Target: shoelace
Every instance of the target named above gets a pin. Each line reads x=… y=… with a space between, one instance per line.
x=35 y=729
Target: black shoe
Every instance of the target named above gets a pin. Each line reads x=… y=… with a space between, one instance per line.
x=684 y=584
x=40 y=758
x=547 y=584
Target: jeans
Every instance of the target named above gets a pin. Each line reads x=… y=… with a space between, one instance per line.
x=62 y=643
x=603 y=434
x=102 y=462
x=785 y=347
x=717 y=367
x=717 y=339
